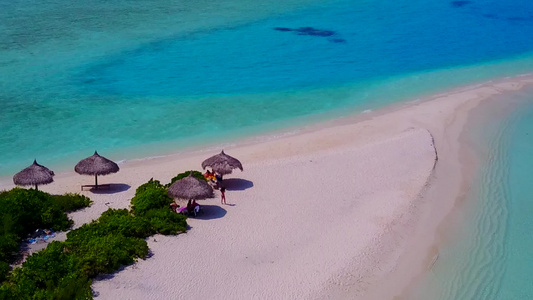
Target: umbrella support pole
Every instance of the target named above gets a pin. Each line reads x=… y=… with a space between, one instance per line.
x=96 y=181
x=36 y=188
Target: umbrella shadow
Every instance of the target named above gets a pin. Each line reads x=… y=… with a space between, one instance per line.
x=210 y=212
x=237 y=184
x=112 y=188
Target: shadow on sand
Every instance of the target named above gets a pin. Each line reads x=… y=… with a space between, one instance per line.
x=210 y=212
x=237 y=184
x=111 y=189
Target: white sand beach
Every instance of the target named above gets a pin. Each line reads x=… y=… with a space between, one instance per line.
x=348 y=209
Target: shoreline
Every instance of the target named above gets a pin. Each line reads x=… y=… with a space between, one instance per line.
x=442 y=221
x=457 y=162
x=485 y=122
x=409 y=233
x=171 y=149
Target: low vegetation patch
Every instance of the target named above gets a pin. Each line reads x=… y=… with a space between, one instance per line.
x=53 y=273
x=23 y=211
x=151 y=195
x=71 y=202
x=64 y=270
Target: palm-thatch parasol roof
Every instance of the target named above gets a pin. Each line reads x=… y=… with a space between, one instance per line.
x=222 y=163
x=96 y=165
x=34 y=175
x=190 y=187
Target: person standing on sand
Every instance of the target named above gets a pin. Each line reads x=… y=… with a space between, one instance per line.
x=223 y=195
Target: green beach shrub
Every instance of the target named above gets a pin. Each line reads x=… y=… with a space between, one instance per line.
x=9 y=245
x=70 y=202
x=196 y=174
x=166 y=222
x=7 y=222
x=4 y=270
x=107 y=253
x=22 y=211
x=52 y=273
x=53 y=217
x=152 y=197
x=23 y=208
x=113 y=221
x=151 y=184
x=115 y=239
x=123 y=222
x=6 y=292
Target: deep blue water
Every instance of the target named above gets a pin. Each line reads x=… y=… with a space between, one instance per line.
x=366 y=40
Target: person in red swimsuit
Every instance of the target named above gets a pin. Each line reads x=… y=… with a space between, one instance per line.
x=223 y=195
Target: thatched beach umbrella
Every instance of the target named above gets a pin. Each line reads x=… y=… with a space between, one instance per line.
x=34 y=175
x=222 y=163
x=96 y=165
x=190 y=188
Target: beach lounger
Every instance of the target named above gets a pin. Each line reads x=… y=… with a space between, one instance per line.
x=96 y=186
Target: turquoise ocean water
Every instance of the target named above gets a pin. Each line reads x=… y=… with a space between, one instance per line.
x=134 y=79
x=140 y=78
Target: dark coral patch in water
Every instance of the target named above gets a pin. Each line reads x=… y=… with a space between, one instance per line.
x=460 y=3
x=307 y=31
x=312 y=32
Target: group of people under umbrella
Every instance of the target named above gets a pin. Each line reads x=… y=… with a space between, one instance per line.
x=188 y=188
x=192 y=188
